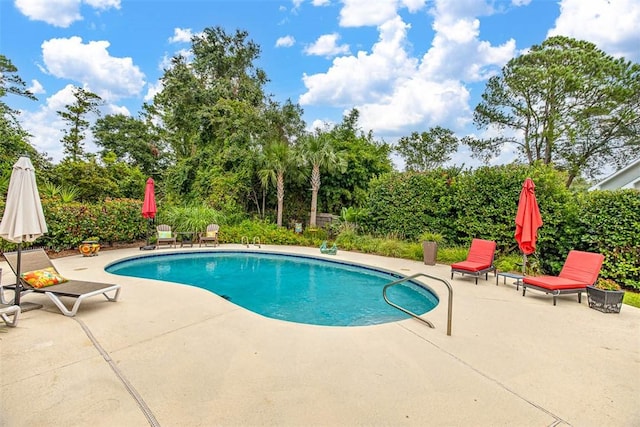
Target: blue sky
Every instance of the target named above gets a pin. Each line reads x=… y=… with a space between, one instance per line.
x=407 y=65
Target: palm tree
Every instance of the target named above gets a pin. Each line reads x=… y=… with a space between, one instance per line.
x=278 y=158
x=318 y=151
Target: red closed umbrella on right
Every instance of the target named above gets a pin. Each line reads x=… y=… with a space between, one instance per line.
x=528 y=220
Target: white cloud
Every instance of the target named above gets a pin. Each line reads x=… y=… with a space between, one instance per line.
x=321 y=2
x=60 y=13
x=418 y=104
x=36 y=88
x=360 y=13
x=326 y=45
x=397 y=93
x=286 y=41
x=181 y=35
x=92 y=65
x=103 y=4
x=115 y=109
x=363 y=77
x=413 y=5
x=456 y=50
x=612 y=25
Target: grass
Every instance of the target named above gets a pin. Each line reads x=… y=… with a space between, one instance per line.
x=631 y=298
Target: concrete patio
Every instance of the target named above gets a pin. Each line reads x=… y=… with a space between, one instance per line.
x=173 y=355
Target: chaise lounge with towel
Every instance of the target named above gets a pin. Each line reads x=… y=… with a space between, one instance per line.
x=580 y=269
x=479 y=260
x=41 y=276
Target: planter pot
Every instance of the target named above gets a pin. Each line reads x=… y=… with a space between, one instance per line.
x=430 y=252
x=89 y=248
x=605 y=301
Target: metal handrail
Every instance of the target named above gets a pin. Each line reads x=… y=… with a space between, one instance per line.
x=404 y=310
x=254 y=241
x=242 y=240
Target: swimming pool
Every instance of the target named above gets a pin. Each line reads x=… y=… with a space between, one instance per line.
x=287 y=287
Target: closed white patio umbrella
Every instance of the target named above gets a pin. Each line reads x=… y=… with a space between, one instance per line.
x=23 y=219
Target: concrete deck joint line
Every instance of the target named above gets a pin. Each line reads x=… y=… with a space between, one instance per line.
x=557 y=419
x=132 y=391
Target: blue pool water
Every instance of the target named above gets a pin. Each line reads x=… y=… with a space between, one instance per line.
x=292 y=288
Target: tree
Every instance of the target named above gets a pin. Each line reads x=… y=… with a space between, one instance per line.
x=282 y=127
x=427 y=150
x=317 y=151
x=13 y=136
x=211 y=110
x=132 y=141
x=568 y=103
x=366 y=159
x=75 y=115
x=278 y=158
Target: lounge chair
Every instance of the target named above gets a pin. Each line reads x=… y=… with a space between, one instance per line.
x=7 y=310
x=328 y=251
x=36 y=260
x=211 y=235
x=479 y=260
x=581 y=269
x=165 y=236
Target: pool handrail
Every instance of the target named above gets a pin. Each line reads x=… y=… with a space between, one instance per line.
x=410 y=313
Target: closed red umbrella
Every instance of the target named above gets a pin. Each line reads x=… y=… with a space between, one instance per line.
x=528 y=220
x=149 y=207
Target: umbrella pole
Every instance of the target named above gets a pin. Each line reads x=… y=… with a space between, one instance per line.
x=524 y=264
x=18 y=284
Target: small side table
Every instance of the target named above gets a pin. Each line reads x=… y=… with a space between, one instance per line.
x=186 y=238
x=518 y=278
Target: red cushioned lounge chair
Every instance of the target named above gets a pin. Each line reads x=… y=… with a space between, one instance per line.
x=581 y=269
x=479 y=260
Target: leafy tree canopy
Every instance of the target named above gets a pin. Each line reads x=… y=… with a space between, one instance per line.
x=75 y=115
x=566 y=103
x=427 y=150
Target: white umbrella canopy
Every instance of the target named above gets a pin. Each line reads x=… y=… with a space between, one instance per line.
x=23 y=218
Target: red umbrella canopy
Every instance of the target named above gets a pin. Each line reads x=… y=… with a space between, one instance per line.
x=149 y=205
x=528 y=218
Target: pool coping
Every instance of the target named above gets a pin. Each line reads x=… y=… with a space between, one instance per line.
x=192 y=359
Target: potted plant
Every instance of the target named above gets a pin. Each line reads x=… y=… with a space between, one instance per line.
x=89 y=247
x=605 y=296
x=430 y=242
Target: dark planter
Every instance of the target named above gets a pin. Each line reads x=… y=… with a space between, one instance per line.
x=605 y=301
x=430 y=252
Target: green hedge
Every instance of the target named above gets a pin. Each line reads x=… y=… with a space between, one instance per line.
x=114 y=220
x=482 y=203
x=611 y=224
